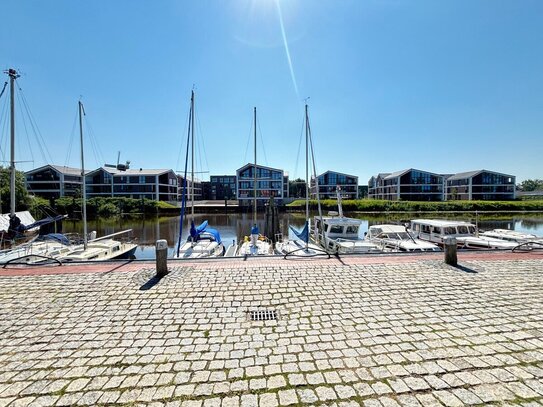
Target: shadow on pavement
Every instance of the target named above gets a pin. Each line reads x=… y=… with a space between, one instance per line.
x=150 y=284
x=465 y=269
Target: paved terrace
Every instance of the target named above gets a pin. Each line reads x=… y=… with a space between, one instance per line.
x=368 y=331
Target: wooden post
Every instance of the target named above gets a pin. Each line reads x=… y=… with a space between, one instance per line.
x=449 y=247
x=161 y=258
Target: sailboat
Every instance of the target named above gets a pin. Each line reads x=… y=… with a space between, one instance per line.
x=256 y=244
x=202 y=241
x=101 y=248
x=301 y=246
x=19 y=229
x=13 y=231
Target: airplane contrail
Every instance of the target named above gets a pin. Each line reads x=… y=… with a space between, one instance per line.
x=287 y=51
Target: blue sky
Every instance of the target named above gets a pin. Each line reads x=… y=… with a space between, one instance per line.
x=443 y=86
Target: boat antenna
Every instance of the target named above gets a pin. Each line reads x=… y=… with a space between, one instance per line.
x=339 y=206
x=83 y=184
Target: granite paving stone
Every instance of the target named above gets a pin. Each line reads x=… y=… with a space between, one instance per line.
x=355 y=331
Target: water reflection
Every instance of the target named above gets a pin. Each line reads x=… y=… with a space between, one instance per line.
x=234 y=226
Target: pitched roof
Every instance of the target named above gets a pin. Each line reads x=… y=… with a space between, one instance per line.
x=336 y=172
x=140 y=171
x=62 y=169
x=258 y=166
x=403 y=172
x=462 y=175
x=469 y=174
x=397 y=174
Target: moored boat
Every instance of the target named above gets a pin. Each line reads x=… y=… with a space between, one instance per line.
x=255 y=244
x=397 y=238
x=301 y=247
x=202 y=240
x=513 y=236
x=45 y=248
x=339 y=234
x=466 y=234
x=102 y=248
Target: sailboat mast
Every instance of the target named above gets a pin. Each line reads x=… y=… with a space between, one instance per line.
x=12 y=76
x=83 y=184
x=254 y=186
x=306 y=164
x=192 y=152
x=306 y=170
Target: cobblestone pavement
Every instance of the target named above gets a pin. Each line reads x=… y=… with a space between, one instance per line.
x=411 y=333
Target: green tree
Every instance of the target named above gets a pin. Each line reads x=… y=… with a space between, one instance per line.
x=531 y=185
x=22 y=199
x=296 y=188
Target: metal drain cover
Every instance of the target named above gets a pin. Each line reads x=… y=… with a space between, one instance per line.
x=263 y=315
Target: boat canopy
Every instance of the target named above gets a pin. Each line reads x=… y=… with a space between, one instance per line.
x=214 y=233
x=57 y=237
x=304 y=234
x=196 y=232
x=45 y=221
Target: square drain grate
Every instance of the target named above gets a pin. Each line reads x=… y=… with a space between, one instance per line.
x=263 y=315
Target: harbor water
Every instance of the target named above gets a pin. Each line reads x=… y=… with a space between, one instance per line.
x=234 y=226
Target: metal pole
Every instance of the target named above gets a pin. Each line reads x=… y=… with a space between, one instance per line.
x=192 y=152
x=84 y=184
x=12 y=76
x=306 y=171
x=254 y=186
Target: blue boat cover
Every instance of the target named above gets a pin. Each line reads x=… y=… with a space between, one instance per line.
x=195 y=232
x=42 y=222
x=254 y=230
x=215 y=234
x=304 y=234
x=59 y=237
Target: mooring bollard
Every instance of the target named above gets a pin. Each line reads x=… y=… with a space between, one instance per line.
x=449 y=247
x=161 y=258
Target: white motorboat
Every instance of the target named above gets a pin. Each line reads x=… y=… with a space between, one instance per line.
x=513 y=236
x=398 y=239
x=339 y=234
x=465 y=233
x=202 y=241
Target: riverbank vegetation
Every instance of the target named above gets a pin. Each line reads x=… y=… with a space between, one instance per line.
x=376 y=205
x=107 y=206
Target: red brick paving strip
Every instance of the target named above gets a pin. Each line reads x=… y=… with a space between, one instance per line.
x=131 y=266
